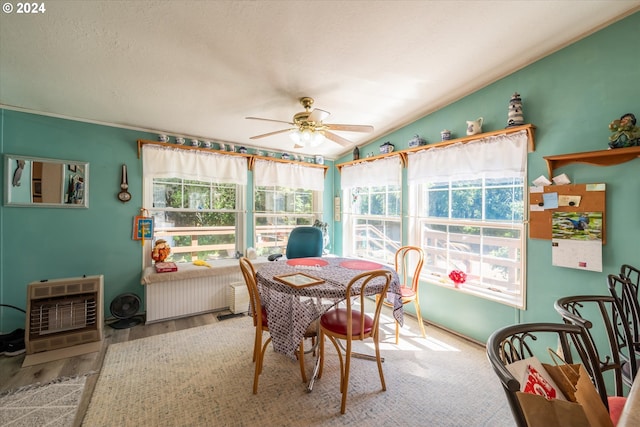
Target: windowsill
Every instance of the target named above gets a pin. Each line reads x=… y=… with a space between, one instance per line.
x=499 y=298
x=187 y=270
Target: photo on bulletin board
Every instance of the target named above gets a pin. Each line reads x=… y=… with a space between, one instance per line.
x=577 y=240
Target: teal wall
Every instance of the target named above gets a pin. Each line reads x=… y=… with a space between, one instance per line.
x=571 y=96
x=50 y=243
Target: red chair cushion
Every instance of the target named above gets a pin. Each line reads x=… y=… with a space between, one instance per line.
x=264 y=317
x=336 y=321
x=616 y=405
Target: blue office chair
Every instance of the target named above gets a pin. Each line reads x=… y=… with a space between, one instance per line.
x=304 y=242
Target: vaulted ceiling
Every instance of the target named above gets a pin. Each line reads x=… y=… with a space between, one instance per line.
x=196 y=69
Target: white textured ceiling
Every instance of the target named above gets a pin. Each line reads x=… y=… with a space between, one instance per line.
x=198 y=68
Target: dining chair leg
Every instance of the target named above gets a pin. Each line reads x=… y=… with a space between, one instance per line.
x=397 y=332
x=301 y=357
x=259 y=362
x=420 y=323
x=321 y=345
x=379 y=360
x=344 y=381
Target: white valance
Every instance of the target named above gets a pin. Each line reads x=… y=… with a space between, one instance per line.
x=494 y=156
x=191 y=164
x=377 y=172
x=290 y=175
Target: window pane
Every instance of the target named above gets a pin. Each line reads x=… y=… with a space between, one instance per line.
x=505 y=204
x=197 y=218
x=475 y=226
x=277 y=211
x=466 y=204
x=373 y=215
x=437 y=203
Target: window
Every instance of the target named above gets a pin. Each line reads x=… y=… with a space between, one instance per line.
x=475 y=226
x=281 y=204
x=197 y=202
x=199 y=219
x=469 y=216
x=372 y=206
x=277 y=211
x=373 y=226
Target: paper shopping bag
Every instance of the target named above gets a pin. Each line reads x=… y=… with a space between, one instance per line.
x=542 y=412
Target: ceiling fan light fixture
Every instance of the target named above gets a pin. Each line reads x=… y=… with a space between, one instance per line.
x=307 y=136
x=295 y=136
x=317 y=139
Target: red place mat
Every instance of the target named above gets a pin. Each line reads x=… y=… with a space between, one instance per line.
x=308 y=261
x=360 y=265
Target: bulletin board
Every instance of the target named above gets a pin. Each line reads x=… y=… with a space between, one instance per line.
x=592 y=199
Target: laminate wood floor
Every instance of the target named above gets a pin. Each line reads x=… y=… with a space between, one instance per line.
x=13 y=375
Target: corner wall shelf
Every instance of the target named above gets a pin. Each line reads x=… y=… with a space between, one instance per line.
x=611 y=157
x=530 y=129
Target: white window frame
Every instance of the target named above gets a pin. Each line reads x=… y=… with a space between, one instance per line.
x=457 y=243
x=161 y=162
x=500 y=156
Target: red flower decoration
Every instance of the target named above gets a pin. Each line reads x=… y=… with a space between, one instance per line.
x=458 y=277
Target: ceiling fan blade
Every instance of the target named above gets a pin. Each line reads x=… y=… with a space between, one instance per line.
x=269 y=120
x=350 y=128
x=264 y=135
x=336 y=138
x=318 y=115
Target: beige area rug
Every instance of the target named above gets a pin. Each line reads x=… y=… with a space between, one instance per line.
x=53 y=405
x=203 y=377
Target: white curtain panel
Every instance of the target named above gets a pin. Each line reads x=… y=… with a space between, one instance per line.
x=377 y=172
x=494 y=156
x=290 y=175
x=191 y=164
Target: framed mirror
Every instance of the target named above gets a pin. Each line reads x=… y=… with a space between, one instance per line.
x=40 y=182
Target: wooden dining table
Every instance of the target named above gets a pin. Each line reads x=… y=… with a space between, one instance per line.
x=292 y=309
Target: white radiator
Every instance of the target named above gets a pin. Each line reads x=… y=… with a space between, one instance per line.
x=186 y=297
x=238 y=298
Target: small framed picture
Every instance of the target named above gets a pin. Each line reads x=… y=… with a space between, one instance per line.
x=142 y=228
x=298 y=280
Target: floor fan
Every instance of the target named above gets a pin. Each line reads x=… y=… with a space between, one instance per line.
x=125 y=308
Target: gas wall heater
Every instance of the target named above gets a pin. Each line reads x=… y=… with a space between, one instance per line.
x=238 y=297
x=64 y=318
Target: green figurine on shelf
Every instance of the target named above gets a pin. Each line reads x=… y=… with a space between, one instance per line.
x=625 y=132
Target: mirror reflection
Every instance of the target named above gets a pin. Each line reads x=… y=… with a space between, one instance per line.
x=33 y=181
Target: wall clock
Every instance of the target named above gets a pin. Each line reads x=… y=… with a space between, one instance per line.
x=124 y=196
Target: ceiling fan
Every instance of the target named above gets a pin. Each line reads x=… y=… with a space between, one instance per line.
x=308 y=127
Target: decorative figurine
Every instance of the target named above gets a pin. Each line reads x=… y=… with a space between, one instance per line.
x=160 y=251
x=356 y=153
x=387 y=147
x=625 y=132
x=445 y=135
x=515 y=116
x=474 y=126
x=416 y=141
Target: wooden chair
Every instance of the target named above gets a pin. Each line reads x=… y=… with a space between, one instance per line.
x=260 y=322
x=629 y=278
x=351 y=325
x=408 y=265
x=517 y=342
x=597 y=314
